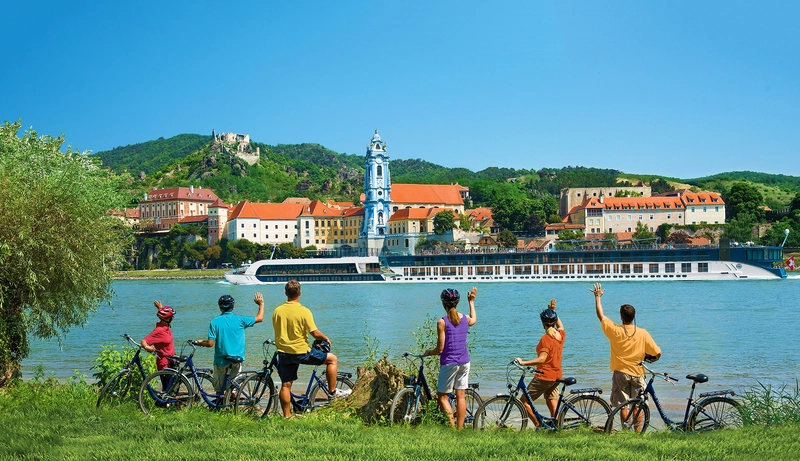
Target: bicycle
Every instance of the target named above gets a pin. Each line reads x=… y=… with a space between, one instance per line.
x=117 y=388
x=409 y=401
x=179 y=389
x=259 y=386
x=582 y=408
x=711 y=411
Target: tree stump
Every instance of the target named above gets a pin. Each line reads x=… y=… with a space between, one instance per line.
x=374 y=390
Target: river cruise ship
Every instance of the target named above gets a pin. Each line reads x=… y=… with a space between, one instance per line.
x=624 y=263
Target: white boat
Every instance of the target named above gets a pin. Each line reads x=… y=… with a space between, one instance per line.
x=623 y=263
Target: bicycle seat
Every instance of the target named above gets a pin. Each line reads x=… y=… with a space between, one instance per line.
x=567 y=381
x=698 y=378
x=475 y=386
x=178 y=358
x=234 y=359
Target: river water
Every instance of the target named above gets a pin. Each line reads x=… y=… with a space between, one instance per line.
x=739 y=333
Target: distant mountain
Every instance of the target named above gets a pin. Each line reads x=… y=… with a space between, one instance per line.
x=311 y=170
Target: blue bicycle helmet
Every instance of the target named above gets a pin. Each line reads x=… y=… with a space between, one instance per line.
x=548 y=316
x=450 y=297
x=226 y=302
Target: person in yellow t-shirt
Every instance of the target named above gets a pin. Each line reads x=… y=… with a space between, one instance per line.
x=292 y=323
x=629 y=346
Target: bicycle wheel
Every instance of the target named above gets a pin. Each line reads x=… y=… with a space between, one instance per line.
x=115 y=390
x=636 y=419
x=319 y=396
x=583 y=411
x=256 y=396
x=715 y=413
x=473 y=401
x=206 y=384
x=177 y=394
x=501 y=412
x=405 y=406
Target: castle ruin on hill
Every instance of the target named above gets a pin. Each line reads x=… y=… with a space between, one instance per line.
x=243 y=150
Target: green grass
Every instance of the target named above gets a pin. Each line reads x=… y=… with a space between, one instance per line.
x=172 y=274
x=47 y=421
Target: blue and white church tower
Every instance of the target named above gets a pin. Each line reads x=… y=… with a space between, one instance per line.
x=377 y=200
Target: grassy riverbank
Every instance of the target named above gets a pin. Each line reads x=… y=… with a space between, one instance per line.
x=59 y=422
x=170 y=274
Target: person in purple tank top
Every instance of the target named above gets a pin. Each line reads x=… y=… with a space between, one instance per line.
x=451 y=347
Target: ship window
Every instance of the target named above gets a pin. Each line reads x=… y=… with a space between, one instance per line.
x=638 y=269
x=702 y=267
x=686 y=267
x=669 y=268
x=654 y=268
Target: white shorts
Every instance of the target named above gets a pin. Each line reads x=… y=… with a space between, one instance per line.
x=453 y=377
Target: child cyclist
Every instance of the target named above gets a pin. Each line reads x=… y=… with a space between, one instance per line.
x=160 y=340
x=548 y=361
x=451 y=346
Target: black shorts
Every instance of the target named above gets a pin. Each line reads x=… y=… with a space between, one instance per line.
x=289 y=363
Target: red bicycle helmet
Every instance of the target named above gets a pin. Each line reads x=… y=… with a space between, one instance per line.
x=165 y=313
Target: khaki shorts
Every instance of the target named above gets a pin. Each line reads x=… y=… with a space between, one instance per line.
x=219 y=374
x=625 y=386
x=538 y=387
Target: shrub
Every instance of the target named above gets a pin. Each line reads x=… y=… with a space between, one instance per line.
x=111 y=360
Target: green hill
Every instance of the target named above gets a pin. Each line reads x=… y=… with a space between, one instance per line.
x=311 y=170
x=151 y=156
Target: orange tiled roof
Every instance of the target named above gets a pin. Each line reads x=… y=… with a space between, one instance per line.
x=639 y=203
x=479 y=213
x=427 y=193
x=185 y=193
x=702 y=198
x=193 y=219
x=319 y=209
x=297 y=200
x=564 y=225
x=266 y=211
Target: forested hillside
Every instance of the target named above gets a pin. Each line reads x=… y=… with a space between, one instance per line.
x=313 y=171
x=150 y=156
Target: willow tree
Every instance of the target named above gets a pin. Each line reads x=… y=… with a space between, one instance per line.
x=58 y=244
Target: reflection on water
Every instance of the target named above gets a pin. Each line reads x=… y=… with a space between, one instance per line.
x=738 y=333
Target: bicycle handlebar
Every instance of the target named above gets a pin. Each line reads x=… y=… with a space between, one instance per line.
x=526 y=368
x=665 y=376
x=409 y=354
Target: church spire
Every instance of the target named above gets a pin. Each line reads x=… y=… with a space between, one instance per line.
x=377 y=196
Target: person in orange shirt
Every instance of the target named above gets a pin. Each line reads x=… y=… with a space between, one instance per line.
x=548 y=361
x=630 y=345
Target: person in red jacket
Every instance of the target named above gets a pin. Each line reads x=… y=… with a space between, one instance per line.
x=160 y=340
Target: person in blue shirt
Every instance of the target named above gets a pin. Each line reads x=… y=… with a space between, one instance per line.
x=226 y=336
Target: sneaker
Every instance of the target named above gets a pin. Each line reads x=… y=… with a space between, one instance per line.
x=342 y=393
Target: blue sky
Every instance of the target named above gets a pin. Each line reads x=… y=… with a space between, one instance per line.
x=679 y=88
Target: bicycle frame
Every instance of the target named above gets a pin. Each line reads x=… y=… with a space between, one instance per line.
x=544 y=421
x=691 y=404
x=300 y=402
x=135 y=359
x=548 y=422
